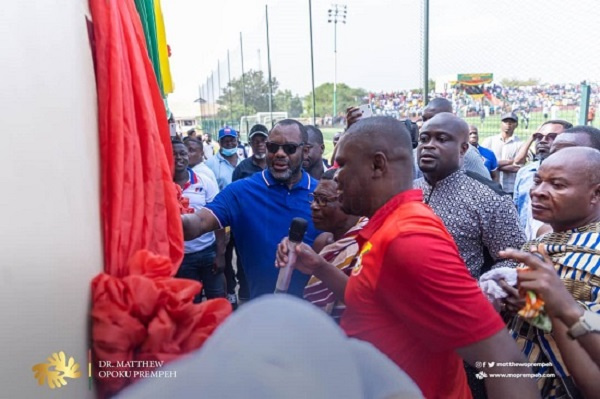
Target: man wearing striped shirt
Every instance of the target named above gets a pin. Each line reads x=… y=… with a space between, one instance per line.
x=566 y=195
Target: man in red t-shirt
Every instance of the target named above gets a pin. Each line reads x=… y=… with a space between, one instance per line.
x=410 y=294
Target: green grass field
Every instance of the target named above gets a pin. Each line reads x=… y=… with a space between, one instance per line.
x=490 y=127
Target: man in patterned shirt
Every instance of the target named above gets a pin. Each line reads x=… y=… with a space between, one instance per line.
x=566 y=195
x=482 y=221
x=472 y=159
x=479 y=219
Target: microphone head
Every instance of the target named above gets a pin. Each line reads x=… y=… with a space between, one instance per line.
x=297 y=229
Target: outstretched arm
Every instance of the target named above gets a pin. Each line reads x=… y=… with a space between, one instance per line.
x=196 y=224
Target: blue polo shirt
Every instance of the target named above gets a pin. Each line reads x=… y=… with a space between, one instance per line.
x=489 y=158
x=259 y=211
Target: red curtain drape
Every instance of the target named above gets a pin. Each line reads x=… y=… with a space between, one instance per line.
x=139 y=311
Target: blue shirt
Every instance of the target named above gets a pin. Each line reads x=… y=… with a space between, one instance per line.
x=523 y=183
x=489 y=158
x=259 y=211
x=222 y=169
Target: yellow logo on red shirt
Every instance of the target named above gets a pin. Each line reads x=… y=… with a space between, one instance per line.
x=358 y=266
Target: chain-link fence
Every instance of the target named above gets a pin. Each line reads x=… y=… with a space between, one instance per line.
x=530 y=59
x=537 y=70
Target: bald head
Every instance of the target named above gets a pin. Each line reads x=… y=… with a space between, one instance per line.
x=375 y=164
x=566 y=189
x=381 y=134
x=436 y=106
x=582 y=161
x=443 y=141
x=450 y=123
x=577 y=136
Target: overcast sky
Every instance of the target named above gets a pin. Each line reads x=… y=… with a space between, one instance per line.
x=379 y=48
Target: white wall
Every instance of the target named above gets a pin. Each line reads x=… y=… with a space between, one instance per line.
x=50 y=237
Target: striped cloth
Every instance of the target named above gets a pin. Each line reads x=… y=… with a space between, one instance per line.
x=576 y=257
x=341 y=254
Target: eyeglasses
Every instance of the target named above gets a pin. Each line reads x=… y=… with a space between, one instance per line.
x=288 y=148
x=540 y=136
x=322 y=200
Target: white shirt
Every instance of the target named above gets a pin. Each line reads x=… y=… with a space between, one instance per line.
x=201 y=191
x=202 y=169
x=504 y=150
x=209 y=150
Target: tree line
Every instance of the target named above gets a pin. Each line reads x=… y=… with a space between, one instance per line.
x=256 y=93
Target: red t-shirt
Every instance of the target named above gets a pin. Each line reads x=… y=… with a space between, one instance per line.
x=411 y=295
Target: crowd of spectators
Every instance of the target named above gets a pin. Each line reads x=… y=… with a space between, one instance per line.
x=495 y=99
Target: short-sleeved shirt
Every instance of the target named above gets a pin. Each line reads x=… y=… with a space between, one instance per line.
x=203 y=170
x=222 y=168
x=259 y=211
x=489 y=159
x=200 y=190
x=245 y=168
x=504 y=150
x=411 y=296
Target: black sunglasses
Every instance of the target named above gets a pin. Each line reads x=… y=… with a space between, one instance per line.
x=540 y=136
x=288 y=148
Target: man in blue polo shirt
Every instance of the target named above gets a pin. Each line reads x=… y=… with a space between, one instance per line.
x=260 y=208
x=488 y=156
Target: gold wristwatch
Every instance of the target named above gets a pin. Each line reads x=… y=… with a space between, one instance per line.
x=589 y=322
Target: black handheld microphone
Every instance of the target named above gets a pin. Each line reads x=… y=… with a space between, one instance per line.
x=296 y=235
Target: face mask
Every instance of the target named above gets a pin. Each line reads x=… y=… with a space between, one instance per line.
x=227 y=152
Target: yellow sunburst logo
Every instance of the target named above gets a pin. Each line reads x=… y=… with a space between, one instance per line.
x=358 y=266
x=56 y=370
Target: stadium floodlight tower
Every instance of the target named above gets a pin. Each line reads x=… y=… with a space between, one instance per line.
x=337 y=13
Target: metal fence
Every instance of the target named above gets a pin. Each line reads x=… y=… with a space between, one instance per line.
x=551 y=43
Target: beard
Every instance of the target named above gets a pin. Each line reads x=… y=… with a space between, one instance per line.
x=284 y=177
